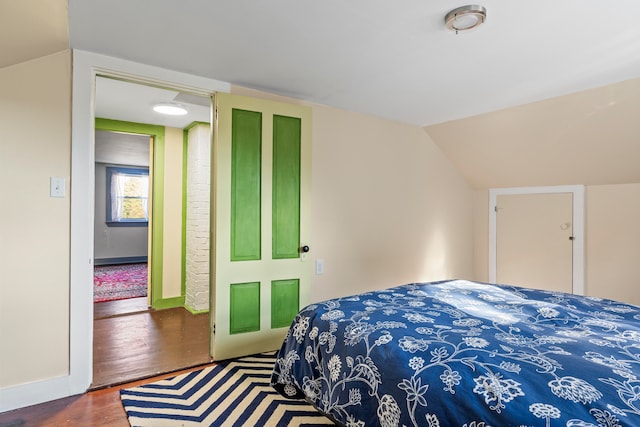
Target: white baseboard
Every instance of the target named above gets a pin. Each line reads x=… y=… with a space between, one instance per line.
x=23 y=395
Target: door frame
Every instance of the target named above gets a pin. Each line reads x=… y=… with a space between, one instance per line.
x=578 y=227
x=86 y=66
x=156 y=191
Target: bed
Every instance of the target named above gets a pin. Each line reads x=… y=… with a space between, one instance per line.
x=467 y=354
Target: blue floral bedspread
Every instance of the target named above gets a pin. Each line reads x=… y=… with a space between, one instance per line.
x=460 y=353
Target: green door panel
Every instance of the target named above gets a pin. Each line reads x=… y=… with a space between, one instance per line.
x=285 y=302
x=286 y=187
x=246 y=159
x=245 y=307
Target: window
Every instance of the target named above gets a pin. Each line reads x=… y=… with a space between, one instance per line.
x=127 y=196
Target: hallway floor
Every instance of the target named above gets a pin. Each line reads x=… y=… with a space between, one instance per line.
x=132 y=342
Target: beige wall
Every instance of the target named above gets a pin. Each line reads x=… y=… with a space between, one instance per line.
x=388 y=207
x=481 y=235
x=613 y=242
x=35 y=144
x=586 y=138
x=172 y=229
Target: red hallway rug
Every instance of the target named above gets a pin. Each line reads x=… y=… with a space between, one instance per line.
x=114 y=282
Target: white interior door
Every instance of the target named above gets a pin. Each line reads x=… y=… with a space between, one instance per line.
x=262 y=181
x=535 y=241
x=536 y=238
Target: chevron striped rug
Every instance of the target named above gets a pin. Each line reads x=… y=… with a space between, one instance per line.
x=235 y=393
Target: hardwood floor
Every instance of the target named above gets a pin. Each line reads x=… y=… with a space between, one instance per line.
x=102 y=310
x=132 y=346
x=147 y=343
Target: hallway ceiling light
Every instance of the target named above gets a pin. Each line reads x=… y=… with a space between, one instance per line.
x=465 y=18
x=170 y=109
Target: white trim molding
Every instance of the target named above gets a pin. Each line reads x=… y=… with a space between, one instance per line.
x=86 y=66
x=577 y=191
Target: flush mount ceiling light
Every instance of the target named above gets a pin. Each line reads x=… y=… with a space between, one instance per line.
x=170 y=109
x=465 y=18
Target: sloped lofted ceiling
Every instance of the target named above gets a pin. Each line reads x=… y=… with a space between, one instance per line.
x=590 y=137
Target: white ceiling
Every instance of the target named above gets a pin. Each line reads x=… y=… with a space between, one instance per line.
x=389 y=59
x=119 y=100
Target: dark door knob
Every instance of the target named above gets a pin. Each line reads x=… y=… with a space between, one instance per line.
x=304 y=249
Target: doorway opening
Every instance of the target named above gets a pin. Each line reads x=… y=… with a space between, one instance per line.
x=87 y=66
x=159 y=330
x=121 y=222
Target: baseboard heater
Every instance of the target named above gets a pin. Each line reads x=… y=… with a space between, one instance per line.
x=120 y=260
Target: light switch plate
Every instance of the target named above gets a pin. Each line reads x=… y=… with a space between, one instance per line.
x=58 y=186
